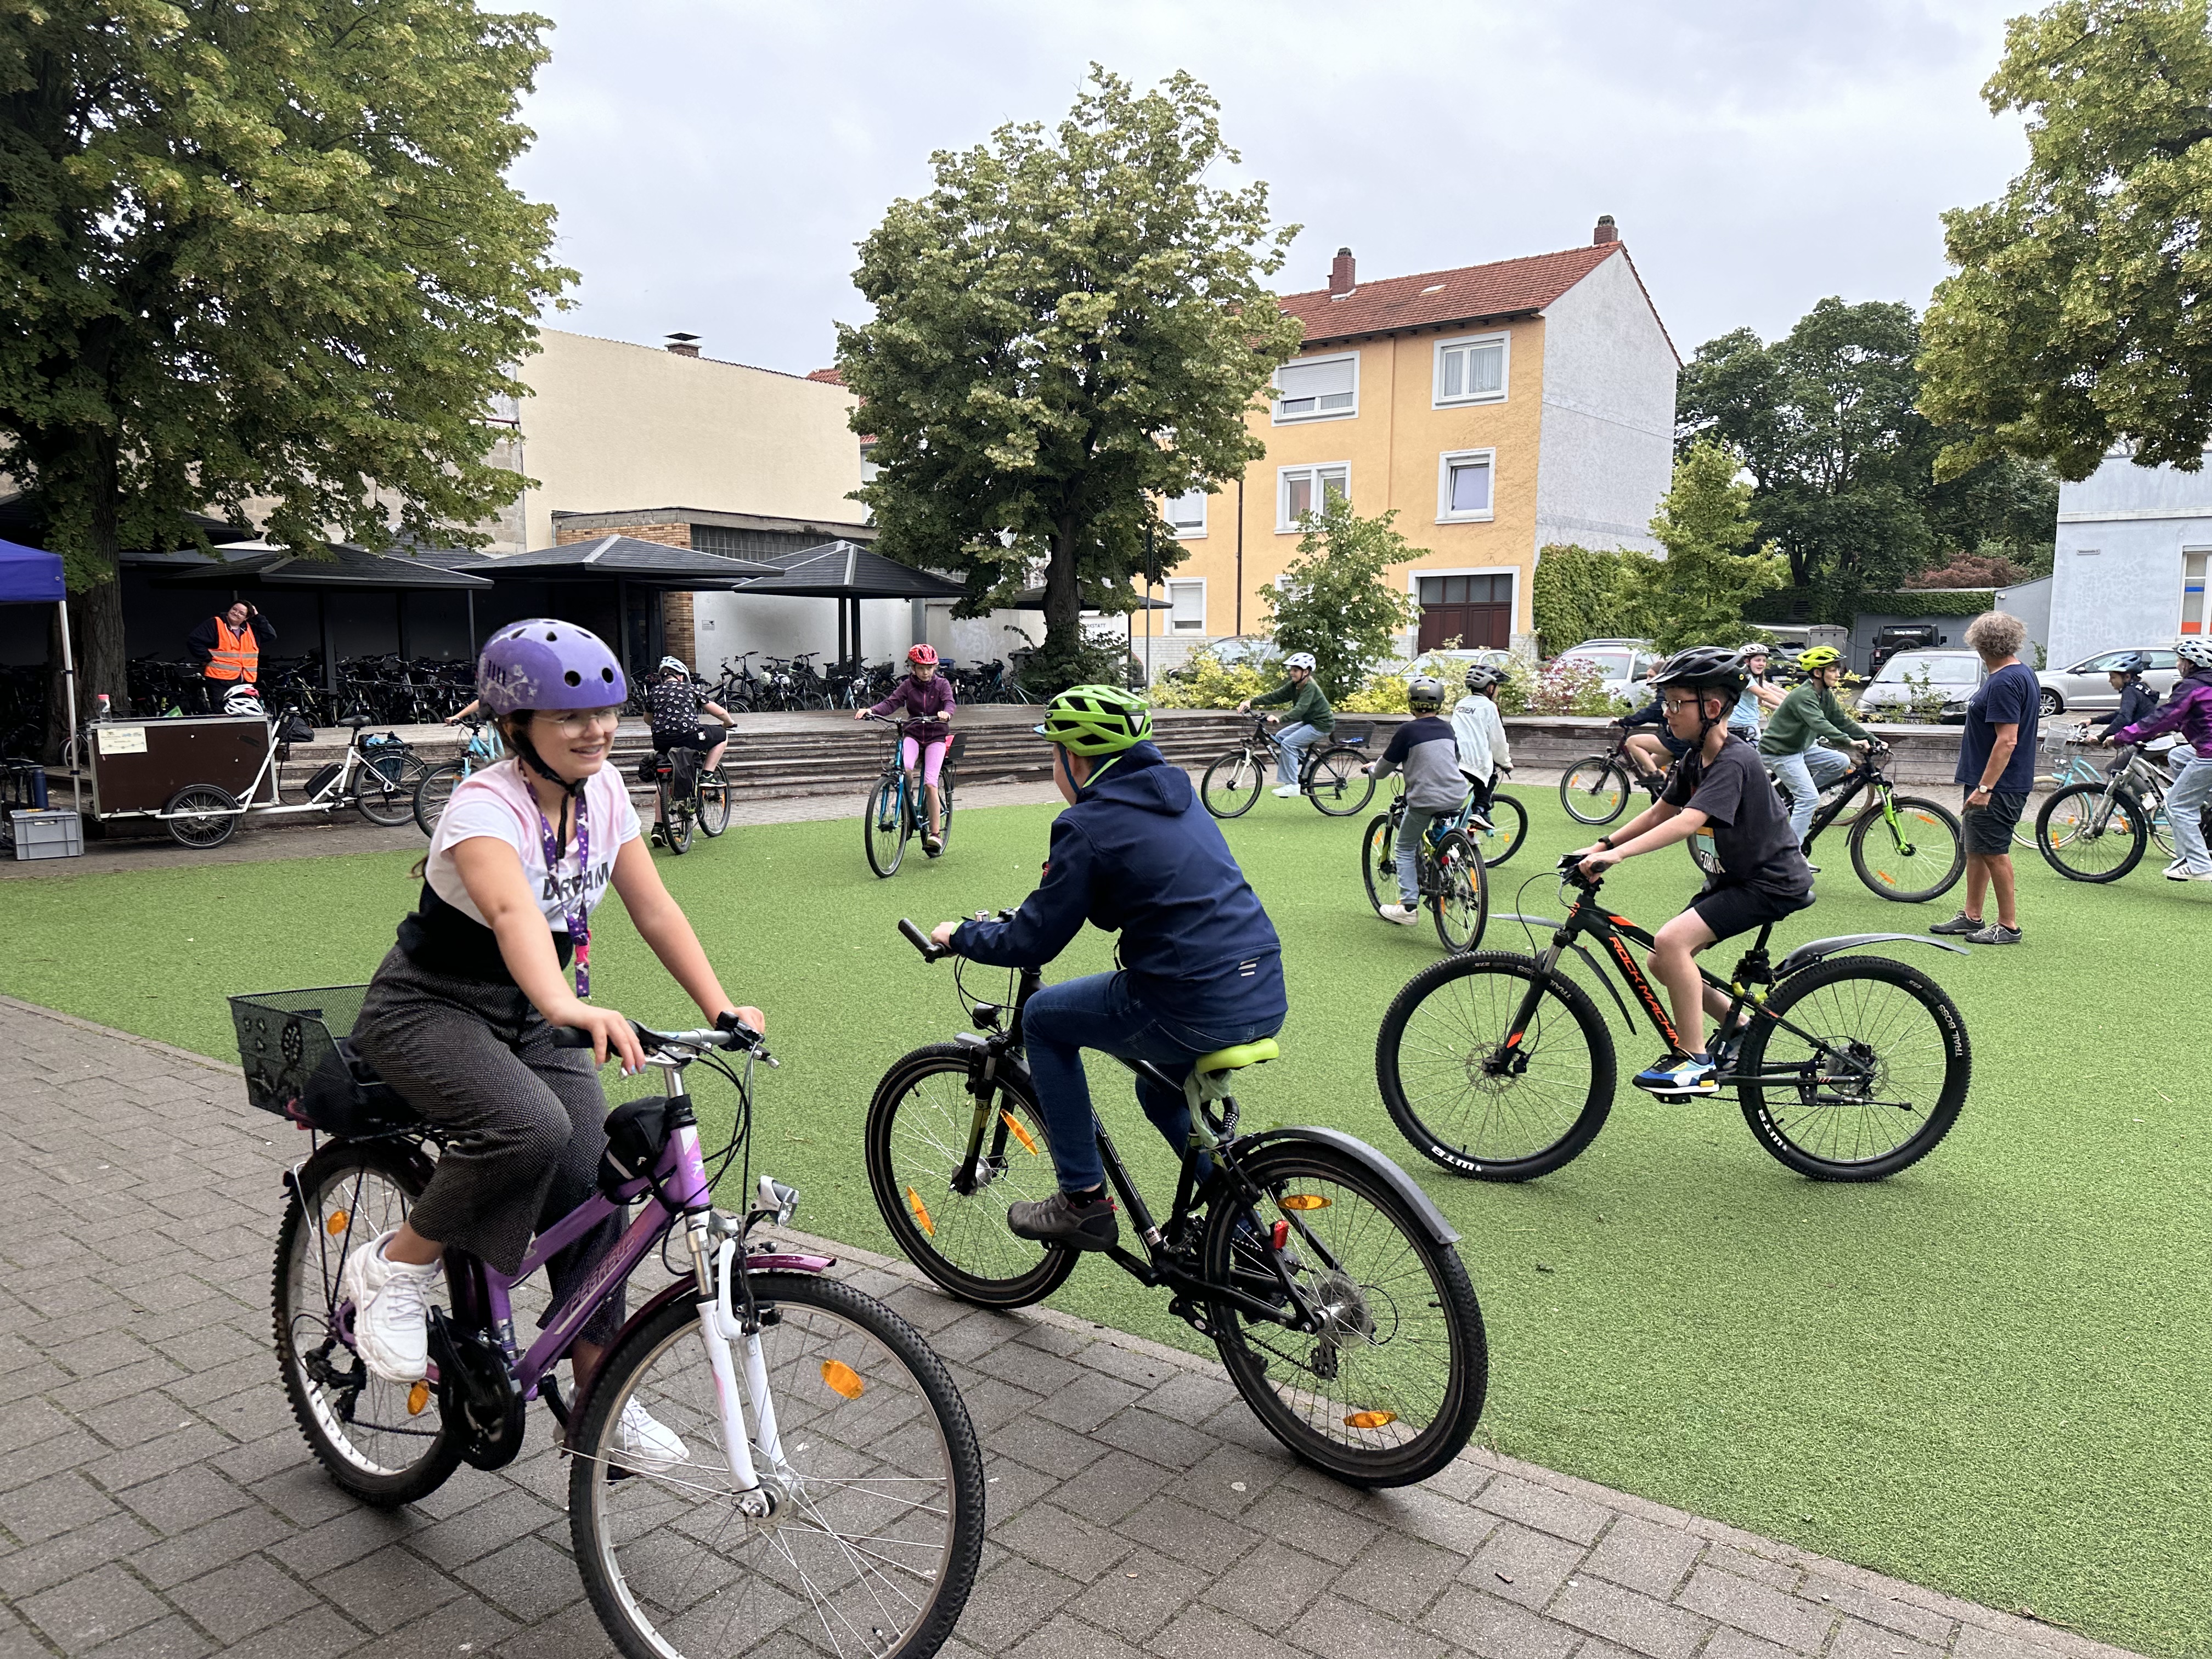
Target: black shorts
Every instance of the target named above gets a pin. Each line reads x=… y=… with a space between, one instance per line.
x=1989 y=829
x=1734 y=909
x=702 y=738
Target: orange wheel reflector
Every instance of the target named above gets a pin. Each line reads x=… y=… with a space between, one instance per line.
x=1305 y=1202
x=1029 y=1145
x=920 y=1212
x=418 y=1398
x=1887 y=880
x=843 y=1379
x=337 y=1223
x=1370 y=1419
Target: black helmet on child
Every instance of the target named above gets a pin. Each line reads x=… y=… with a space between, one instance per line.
x=1425 y=694
x=2131 y=665
x=1703 y=668
x=1480 y=677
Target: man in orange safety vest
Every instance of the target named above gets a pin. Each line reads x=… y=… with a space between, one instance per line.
x=228 y=650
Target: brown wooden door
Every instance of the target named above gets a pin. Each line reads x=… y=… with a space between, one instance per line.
x=1476 y=612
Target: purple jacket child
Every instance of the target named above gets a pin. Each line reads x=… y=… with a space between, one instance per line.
x=2188 y=708
x=922 y=700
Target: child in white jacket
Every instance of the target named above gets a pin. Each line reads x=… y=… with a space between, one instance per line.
x=1484 y=755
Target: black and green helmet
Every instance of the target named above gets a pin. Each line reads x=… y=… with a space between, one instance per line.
x=1097 y=720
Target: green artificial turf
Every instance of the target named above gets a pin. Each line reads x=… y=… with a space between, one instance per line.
x=1987 y=1374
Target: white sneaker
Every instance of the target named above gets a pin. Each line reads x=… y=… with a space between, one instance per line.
x=2177 y=870
x=390 y=1311
x=1287 y=792
x=1403 y=915
x=644 y=1446
x=2207 y=876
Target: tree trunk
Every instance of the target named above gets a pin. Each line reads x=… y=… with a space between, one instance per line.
x=1063 y=597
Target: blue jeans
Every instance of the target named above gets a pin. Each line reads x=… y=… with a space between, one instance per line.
x=1411 y=833
x=1296 y=739
x=1098 y=1012
x=2184 y=805
x=1804 y=775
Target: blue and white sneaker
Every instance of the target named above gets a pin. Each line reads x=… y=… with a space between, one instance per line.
x=1678 y=1075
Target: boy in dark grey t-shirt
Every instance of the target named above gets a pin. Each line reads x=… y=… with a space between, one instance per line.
x=1721 y=786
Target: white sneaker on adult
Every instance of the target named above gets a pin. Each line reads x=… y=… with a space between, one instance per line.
x=644 y=1445
x=390 y=1311
x=1403 y=915
x=1287 y=792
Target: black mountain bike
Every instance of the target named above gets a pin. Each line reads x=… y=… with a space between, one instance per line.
x=1904 y=848
x=1499 y=1066
x=690 y=792
x=1324 y=1276
x=1333 y=774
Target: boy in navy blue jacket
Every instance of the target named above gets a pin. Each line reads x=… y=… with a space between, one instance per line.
x=1201 y=968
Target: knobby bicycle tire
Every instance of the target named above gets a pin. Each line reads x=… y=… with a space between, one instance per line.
x=1595 y=790
x=1232 y=783
x=1461 y=1100
x=884 y=825
x=1396 y=1395
x=1851 y=1107
x=675 y=821
x=1939 y=856
x=1460 y=906
x=1337 y=781
x=1378 y=862
x=2088 y=852
x=910 y=1168
x=888 y=1529
x=713 y=803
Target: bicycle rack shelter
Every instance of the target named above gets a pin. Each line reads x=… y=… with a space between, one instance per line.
x=847 y=572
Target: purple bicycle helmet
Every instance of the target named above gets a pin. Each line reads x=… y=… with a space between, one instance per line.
x=550 y=664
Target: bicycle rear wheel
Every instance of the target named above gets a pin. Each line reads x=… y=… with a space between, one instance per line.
x=1920 y=858
x=1388 y=1391
x=675 y=821
x=1378 y=862
x=1870 y=1079
x=2084 y=836
x=435 y=790
x=917 y=1133
x=877 y=1522
x=384 y=789
x=1231 y=784
x=884 y=825
x=1594 y=790
x=1461 y=905
x=1338 y=782
x=386 y=1442
x=1509 y=828
x=1474 y=1103
x=714 y=802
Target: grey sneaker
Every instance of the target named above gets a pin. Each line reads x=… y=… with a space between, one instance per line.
x=1061 y=1219
x=1996 y=934
x=1961 y=923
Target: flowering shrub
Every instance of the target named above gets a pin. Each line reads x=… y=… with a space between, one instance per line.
x=1204 y=682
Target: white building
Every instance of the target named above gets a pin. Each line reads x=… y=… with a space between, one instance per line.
x=2133 y=546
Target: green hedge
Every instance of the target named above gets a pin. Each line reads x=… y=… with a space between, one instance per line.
x=1781 y=606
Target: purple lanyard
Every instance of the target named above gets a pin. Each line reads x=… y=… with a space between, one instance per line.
x=579 y=922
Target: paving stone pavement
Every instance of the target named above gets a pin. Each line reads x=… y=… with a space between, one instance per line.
x=156 y=1501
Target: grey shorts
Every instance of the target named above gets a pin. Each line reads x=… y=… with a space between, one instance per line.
x=1989 y=829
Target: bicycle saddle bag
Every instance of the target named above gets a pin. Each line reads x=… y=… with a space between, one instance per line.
x=637 y=1131
x=294 y=728
x=345 y=1097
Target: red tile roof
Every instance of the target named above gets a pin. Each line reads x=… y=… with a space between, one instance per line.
x=830 y=375
x=1505 y=287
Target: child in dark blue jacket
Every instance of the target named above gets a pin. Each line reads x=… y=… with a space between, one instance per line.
x=1201 y=968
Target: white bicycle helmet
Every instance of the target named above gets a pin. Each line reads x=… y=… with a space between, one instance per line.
x=243 y=700
x=675 y=665
x=2198 y=651
x=1300 y=659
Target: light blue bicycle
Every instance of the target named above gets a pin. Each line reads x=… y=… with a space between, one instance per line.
x=437 y=786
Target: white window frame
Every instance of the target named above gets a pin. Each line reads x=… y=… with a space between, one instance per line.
x=1276 y=382
x=1413 y=589
x=1284 y=525
x=1187 y=533
x=1175 y=624
x=1503 y=339
x=1444 y=464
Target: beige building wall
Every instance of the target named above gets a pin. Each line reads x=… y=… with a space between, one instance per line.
x=610 y=427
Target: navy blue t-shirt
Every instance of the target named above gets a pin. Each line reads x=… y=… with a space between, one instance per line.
x=2010 y=696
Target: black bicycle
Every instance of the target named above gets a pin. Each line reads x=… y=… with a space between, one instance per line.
x=1904 y=848
x=1500 y=1066
x=1595 y=790
x=1323 y=1275
x=688 y=792
x=1333 y=775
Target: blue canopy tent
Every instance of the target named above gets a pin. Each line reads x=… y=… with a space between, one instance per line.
x=29 y=576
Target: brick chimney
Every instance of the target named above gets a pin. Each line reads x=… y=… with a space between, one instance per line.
x=1342 y=278
x=683 y=345
x=1607 y=231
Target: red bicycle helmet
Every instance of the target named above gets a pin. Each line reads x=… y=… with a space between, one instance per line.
x=921 y=653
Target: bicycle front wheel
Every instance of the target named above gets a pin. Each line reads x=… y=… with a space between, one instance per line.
x=1388 y=1389
x=944 y=783
x=1509 y=828
x=1461 y=905
x=884 y=826
x=876 y=1523
x=1378 y=862
x=435 y=790
x=1472 y=1098
x=919 y=1126
x=386 y=1442
x=1859 y=1072
x=1231 y=784
x=1594 y=790
x=1917 y=857
x=714 y=802
x=1338 y=782
x=2086 y=835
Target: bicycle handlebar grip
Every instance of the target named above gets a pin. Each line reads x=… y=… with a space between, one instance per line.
x=571 y=1036
x=930 y=949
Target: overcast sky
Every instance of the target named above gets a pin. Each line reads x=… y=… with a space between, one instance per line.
x=715 y=161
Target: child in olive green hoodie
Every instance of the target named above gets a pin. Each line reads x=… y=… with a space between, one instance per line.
x=1310 y=717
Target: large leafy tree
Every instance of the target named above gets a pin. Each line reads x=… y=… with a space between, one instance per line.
x=1842 y=461
x=1068 y=326
x=259 y=255
x=1712 y=569
x=2075 y=322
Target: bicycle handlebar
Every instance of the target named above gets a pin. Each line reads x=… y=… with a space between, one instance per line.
x=930 y=949
x=738 y=1034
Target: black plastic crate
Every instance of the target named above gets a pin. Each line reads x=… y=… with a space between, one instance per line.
x=284 y=1035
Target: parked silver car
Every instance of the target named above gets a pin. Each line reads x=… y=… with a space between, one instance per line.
x=1957 y=675
x=2084 y=686
x=1624 y=664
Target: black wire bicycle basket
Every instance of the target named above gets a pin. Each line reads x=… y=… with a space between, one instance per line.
x=300 y=1064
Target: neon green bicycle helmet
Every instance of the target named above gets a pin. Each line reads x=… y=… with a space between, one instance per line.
x=1097 y=720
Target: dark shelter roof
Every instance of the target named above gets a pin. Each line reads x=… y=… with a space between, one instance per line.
x=841 y=570
x=348 y=566
x=647 y=564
